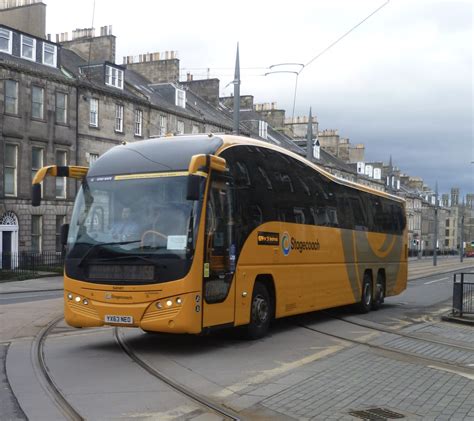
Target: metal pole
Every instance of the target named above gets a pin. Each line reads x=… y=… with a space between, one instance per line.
x=237 y=94
x=462 y=233
x=435 y=242
x=309 y=137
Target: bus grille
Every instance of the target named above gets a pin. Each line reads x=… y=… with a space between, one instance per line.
x=84 y=310
x=160 y=314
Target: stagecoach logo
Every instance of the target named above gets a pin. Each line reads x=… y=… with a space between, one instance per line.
x=109 y=296
x=288 y=244
x=268 y=238
x=285 y=244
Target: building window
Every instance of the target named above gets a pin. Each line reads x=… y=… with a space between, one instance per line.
x=36 y=233
x=37 y=102
x=138 y=122
x=92 y=157
x=61 y=108
x=49 y=55
x=28 y=48
x=5 y=41
x=61 y=185
x=11 y=167
x=180 y=98
x=163 y=125
x=60 y=220
x=118 y=118
x=262 y=129
x=180 y=127
x=36 y=160
x=94 y=112
x=447 y=222
x=114 y=77
x=11 y=96
x=195 y=129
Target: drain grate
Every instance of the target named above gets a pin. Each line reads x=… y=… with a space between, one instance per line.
x=376 y=414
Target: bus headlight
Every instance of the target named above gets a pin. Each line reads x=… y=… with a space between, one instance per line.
x=179 y=300
x=169 y=303
x=85 y=301
x=159 y=306
x=69 y=296
x=77 y=299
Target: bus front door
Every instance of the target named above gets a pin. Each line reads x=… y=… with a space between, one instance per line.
x=220 y=254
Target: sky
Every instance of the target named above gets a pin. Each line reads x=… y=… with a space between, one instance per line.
x=401 y=83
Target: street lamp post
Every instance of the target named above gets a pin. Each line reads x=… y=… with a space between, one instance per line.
x=435 y=242
x=461 y=259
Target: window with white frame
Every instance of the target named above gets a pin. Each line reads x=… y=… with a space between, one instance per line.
x=92 y=157
x=180 y=98
x=114 y=77
x=94 y=112
x=36 y=233
x=138 y=122
x=61 y=183
x=11 y=96
x=60 y=221
x=37 y=158
x=6 y=40
x=11 y=170
x=118 y=118
x=61 y=107
x=37 y=102
x=49 y=54
x=262 y=129
x=28 y=48
x=180 y=127
x=163 y=125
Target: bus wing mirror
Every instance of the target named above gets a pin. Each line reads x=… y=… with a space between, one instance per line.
x=71 y=171
x=36 y=195
x=193 y=189
x=206 y=162
x=64 y=233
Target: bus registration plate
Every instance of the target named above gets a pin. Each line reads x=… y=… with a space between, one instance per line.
x=119 y=319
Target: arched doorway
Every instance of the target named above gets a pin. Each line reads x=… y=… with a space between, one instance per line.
x=8 y=240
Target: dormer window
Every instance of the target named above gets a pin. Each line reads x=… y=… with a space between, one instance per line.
x=180 y=98
x=114 y=77
x=263 y=129
x=28 y=48
x=49 y=54
x=5 y=41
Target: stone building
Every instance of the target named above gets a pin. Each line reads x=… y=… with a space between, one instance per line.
x=38 y=109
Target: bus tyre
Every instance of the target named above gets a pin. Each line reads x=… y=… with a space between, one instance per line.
x=261 y=312
x=366 y=300
x=379 y=293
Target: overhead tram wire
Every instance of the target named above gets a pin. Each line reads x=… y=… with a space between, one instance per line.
x=336 y=42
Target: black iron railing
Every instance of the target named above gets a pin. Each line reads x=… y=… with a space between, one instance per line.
x=463 y=294
x=30 y=263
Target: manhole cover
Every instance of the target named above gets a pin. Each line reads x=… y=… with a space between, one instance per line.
x=376 y=414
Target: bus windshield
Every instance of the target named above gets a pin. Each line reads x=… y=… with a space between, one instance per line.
x=132 y=229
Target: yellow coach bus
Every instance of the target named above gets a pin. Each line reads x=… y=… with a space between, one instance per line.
x=190 y=233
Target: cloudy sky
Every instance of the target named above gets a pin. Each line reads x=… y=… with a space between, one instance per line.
x=401 y=83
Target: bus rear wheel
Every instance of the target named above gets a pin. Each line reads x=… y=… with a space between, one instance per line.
x=379 y=292
x=366 y=299
x=261 y=312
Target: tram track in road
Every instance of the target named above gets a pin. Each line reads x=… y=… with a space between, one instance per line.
x=422 y=344
x=44 y=376
x=204 y=402
x=391 y=331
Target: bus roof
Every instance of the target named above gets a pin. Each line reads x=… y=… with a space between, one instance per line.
x=231 y=140
x=174 y=154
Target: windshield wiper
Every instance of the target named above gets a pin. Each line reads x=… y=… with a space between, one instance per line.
x=121 y=243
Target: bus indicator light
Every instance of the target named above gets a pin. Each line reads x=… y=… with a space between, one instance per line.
x=198 y=308
x=69 y=296
x=159 y=306
x=179 y=300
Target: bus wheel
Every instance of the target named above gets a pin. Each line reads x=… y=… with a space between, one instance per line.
x=366 y=299
x=261 y=312
x=379 y=292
